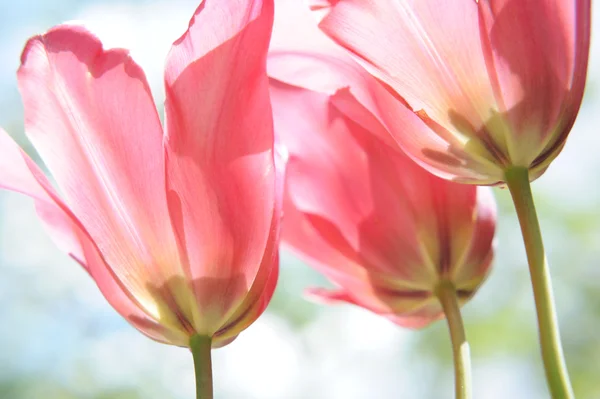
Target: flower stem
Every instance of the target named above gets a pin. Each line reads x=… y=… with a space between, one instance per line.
x=552 y=355
x=201 y=347
x=446 y=293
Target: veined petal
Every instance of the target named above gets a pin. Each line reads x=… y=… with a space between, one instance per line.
x=19 y=173
x=428 y=51
x=90 y=115
x=219 y=152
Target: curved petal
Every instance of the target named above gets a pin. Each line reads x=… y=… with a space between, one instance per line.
x=427 y=51
x=532 y=61
x=19 y=173
x=90 y=115
x=219 y=151
x=581 y=42
x=262 y=289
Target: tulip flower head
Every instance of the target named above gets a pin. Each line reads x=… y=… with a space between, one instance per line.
x=385 y=231
x=486 y=85
x=178 y=225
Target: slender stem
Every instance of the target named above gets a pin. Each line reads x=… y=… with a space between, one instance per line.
x=552 y=355
x=446 y=293
x=201 y=347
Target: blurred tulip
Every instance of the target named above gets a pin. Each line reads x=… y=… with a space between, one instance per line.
x=381 y=228
x=178 y=226
x=488 y=85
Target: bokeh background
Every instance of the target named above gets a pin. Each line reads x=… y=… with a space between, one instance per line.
x=59 y=339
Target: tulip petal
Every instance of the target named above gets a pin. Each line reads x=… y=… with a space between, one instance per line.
x=427 y=51
x=532 y=60
x=19 y=173
x=262 y=289
x=90 y=115
x=220 y=173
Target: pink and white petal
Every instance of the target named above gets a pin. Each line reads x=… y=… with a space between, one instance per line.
x=19 y=173
x=219 y=149
x=428 y=51
x=90 y=115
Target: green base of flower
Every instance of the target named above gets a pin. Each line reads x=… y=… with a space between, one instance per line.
x=201 y=351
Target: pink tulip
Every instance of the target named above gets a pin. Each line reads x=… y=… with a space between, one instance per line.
x=382 y=229
x=178 y=227
x=485 y=85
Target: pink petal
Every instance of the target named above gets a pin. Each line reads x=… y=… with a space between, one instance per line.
x=19 y=173
x=90 y=115
x=533 y=47
x=428 y=51
x=219 y=149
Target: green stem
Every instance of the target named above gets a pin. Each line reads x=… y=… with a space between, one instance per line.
x=552 y=355
x=201 y=347
x=446 y=293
